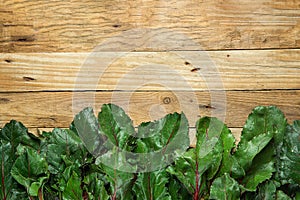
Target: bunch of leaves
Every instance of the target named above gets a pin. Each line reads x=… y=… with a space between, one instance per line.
x=66 y=163
x=264 y=165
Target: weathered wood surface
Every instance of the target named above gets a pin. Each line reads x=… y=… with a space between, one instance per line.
x=184 y=70
x=252 y=46
x=54 y=109
x=73 y=26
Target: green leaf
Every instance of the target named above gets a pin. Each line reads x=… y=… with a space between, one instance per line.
x=63 y=148
x=258 y=175
x=262 y=169
x=73 y=189
x=248 y=150
x=7 y=159
x=95 y=186
x=110 y=138
x=229 y=163
x=16 y=133
x=88 y=129
x=120 y=183
x=30 y=170
x=280 y=195
x=264 y=120
x=159 y=134
x=185 y=170
x=65 y=153
x=225 y=188
x=266 y=191
x=261 y=139
x=177 y=191
x=14 y=136
x=116 y=125
x=199 y=165
x=162 y=140
x=152 y=185
x=289 y=159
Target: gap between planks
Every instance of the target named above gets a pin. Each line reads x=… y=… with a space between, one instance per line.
x=54 y=109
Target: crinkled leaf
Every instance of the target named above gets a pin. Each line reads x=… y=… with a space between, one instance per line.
x=10 y=188
x=30 y=170
x=13 y=135
x=16 y=133
x=205 y=158
x=229 y=163
x=18 y=193
x=289 y=160
x=152 y=185
x=65 y=153
x=248 y=150
x=209 y=146
x=95 y=186
x=225 y=188
x=258 y=175
x=177 y=191
x=116 y=125
x=266 y=191
x=86 y=125
x=49 y=193
x=263 y=120
x=167 y=137
x=73 y=189
x=160 y=133
x=60 y=144
x=262 y=169
x=185 y=170
x=107 y=137
x=120 y=183
x=280 y=195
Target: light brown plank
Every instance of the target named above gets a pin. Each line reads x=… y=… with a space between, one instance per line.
x=179 y=70
x=54 y=109
x=64 y=26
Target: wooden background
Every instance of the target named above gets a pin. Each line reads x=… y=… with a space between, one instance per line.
x=43 y=44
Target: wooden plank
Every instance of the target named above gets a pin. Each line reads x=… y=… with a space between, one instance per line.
x=176 y=70
x=64 y=26
x=54 y=109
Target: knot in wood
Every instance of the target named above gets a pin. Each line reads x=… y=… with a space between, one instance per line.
x=167 y=100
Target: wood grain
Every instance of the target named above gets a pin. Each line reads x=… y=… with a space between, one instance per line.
x=176 y=70
x=54 y=109
x=76 y=26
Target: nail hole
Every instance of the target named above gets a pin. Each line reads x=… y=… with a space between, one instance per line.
x=22 y=39
x=187 y=63
x=195 y=69
x=208 y=106
x=116 y=25
x=27 y=78
x=29 y=38
x=7 y=60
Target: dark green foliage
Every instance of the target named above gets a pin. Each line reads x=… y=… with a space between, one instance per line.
x=100 y=158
